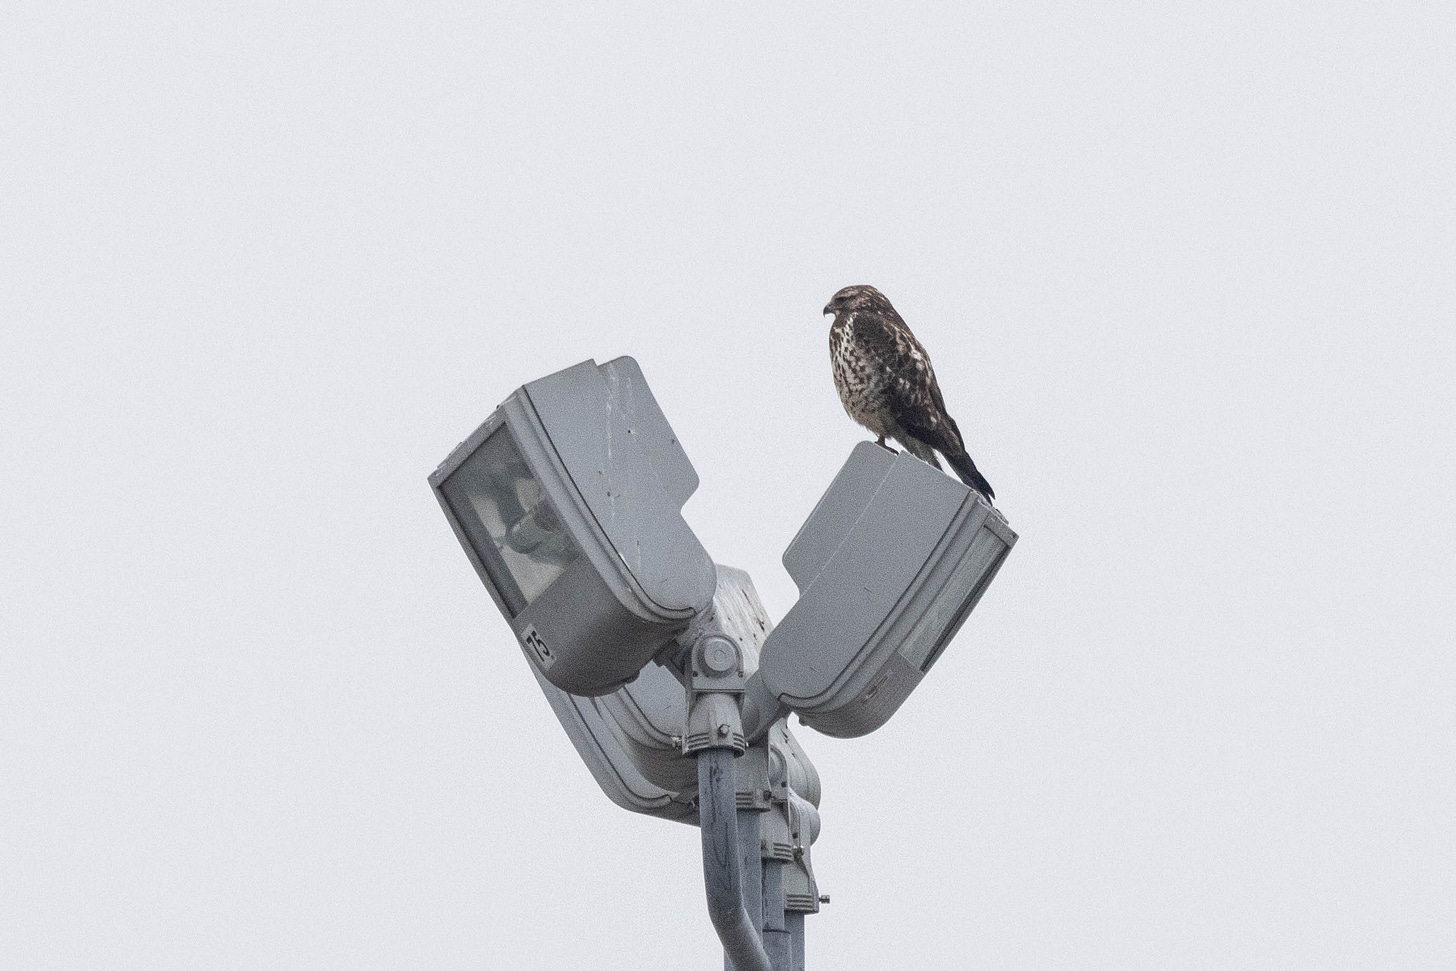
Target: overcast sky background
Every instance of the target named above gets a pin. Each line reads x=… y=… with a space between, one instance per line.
x=1188 y=276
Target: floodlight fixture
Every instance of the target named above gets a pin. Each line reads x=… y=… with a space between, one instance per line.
x=664 y=669
x=889 y=564
x=568 y=500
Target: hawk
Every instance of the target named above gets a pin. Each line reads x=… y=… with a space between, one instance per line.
x=886 y=383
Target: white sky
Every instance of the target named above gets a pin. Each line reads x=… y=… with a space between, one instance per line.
x=1188 y=276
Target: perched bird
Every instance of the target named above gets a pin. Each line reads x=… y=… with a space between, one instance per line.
x=886 y=382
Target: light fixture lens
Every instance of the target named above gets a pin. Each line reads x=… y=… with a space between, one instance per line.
x=512 y=525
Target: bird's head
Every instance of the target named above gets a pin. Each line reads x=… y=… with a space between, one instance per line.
x=861 y=296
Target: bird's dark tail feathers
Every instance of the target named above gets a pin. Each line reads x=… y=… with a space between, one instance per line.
x=969 y=474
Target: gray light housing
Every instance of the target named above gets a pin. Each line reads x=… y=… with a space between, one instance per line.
x=598 y=740
x=888 y=565
x=573 y=521
x=629 y=739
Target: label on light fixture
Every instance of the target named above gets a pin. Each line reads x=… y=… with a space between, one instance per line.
x=537 y=645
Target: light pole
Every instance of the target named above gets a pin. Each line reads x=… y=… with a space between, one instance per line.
x=663 y=667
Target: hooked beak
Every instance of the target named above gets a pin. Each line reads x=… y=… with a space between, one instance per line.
x=829 y=308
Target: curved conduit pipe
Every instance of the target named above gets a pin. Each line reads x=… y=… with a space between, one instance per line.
x=717 y=817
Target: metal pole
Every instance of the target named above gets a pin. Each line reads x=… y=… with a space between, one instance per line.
x=722 y=876
x=795 y=920
x=752 y=874
x=775 y=935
